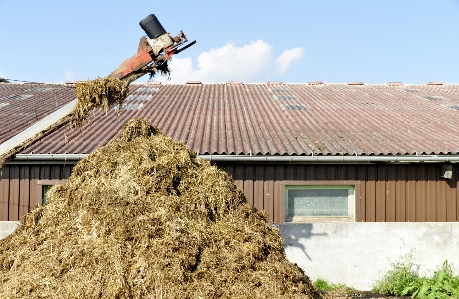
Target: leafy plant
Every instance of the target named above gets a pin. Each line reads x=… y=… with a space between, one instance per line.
x=442 y=285
x=396 y=280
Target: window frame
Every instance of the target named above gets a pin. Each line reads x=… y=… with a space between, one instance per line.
x=48 y=183
x=311 y=219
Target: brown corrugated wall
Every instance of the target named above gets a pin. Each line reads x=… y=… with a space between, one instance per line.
x=388 y=192
x=19 y=188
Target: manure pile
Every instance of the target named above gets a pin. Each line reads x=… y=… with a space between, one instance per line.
x=144 y=218
x=98 y=93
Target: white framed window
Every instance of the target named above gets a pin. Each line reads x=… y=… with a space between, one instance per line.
x=320 y=202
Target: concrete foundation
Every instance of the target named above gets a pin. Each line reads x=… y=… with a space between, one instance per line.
x=7 y=227
x=357 y=254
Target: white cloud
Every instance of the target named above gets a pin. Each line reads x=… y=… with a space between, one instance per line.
x=69 y=75
x=288 y=57
x=249 y=63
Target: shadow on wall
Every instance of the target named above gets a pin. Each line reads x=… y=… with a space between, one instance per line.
x=295 y=234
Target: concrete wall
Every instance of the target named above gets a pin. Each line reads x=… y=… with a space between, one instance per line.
x=357 y=254
x=7 y=227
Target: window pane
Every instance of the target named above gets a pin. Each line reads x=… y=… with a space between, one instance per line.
x=317 y=202
x=45 y=190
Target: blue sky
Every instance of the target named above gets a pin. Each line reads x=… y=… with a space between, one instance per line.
x=251 y=41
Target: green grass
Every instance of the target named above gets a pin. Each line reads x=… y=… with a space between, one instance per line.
x=324 y=285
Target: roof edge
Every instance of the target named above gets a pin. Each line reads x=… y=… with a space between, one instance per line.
x=269 y=158
x=38 y=127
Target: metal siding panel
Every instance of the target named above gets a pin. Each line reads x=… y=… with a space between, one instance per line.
x=456 y=179
x=301 y=172
x=442 y=199
x=431 y=194
x=311 y=173
x=451 y=197
x=268 y=203
x=24 y=184
x=248 y=183
x=342 y=172
x=279 y=200
x=321 y=174
x=66 y=172
x=381 y=193
x=258 y=187
x=351 y=173
x=239 y=176
x=230 y=169
x=36 y=190
x=56 y=172
x=361 y=208
x=390 y=193
x=411 y=193
x=358 y=199
x=5 y=193
x=370 y=194
x=456 y=174
x=290 y=173
x=45 y=172
x=331 y=172
x=421 y=201
x=14 y=194
x=400 y=194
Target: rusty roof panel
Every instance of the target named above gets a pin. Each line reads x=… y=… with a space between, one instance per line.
x=323 y=119
x=22 y=105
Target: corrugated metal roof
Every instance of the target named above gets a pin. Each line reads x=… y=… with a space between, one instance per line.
x=282 y=119
x=22 y=105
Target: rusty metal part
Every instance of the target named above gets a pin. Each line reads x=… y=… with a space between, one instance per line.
x=136 y=62
x=150 y=55
x=180 y=37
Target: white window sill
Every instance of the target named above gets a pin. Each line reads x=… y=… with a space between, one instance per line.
x=309 y=219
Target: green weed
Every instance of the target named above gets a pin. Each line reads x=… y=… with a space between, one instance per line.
x=442 y=285
x=396 y=280
x=403 y=280
x=324 y=285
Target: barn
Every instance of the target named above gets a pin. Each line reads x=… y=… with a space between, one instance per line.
x=305 y=153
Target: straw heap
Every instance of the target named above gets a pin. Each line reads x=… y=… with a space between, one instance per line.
x=98 y=93
x=144 y=218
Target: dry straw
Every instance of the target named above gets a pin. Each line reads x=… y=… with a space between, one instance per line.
x=99 y=93
x=107 y=92
x=143 y=217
